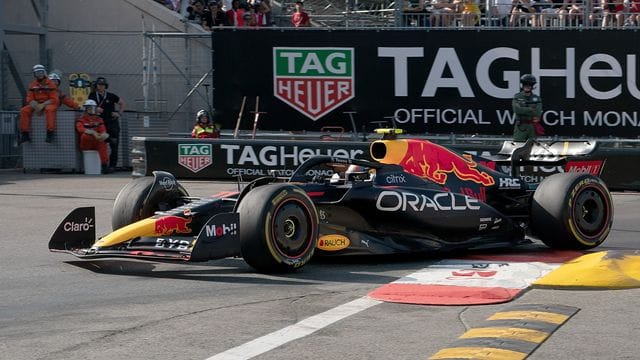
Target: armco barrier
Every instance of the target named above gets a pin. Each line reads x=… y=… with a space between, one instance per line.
x=246 y=159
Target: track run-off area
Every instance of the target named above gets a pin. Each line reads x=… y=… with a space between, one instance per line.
x=542 y=304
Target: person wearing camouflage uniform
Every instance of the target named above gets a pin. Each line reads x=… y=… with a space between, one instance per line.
x=527 y=107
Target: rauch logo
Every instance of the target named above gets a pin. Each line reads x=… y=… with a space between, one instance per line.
x=194 y=157
x=314 y=81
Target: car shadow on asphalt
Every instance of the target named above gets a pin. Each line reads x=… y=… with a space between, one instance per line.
x=372 y=269
x=360 y=269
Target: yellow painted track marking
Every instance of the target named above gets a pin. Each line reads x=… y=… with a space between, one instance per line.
x=530 y=315
x=481 y=353
x=604 y=269
x=508 y=333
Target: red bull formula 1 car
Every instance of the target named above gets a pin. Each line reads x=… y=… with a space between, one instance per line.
x=416 y=196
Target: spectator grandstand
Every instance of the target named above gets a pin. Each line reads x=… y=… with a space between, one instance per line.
x=513 y=14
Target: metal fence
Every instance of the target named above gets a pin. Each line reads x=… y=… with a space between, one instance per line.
x=492 y=14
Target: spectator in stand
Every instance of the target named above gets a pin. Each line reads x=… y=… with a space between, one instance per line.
x=199 y=14
x=554 y=9
x=470 y=13
x=63 y=99
x=442 y=13
x=499 y=11
x=234 y=15
x=634 y=11
x=264 y=13
x=520 y=9
x=106 y=109
x=204 y=129
x=250 y=18
x=612 y=13
x=527 y=108
x=42 y=96
x=217 y=15
x=93 y=133
x=300 y=18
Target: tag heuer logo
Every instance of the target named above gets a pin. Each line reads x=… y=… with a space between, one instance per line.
x=313 y=81
x=194 y=157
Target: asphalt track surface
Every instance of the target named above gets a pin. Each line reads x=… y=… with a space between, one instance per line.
x=53 y=306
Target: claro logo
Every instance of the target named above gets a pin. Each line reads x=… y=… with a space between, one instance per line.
x=402 y=200
x=72 y=226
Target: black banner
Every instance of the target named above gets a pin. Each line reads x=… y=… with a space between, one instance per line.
x=430 y=81
x=219 y=159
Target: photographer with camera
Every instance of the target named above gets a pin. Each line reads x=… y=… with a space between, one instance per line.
x=527 y=107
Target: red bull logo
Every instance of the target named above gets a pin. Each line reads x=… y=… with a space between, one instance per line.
x=435 y=162
x=168 y=225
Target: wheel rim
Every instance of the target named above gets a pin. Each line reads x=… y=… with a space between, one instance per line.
x=590 y=212
x=292 y=229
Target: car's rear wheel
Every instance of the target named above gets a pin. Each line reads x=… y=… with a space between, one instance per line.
x=572 y=211
x=278 y=228
x=130 y=205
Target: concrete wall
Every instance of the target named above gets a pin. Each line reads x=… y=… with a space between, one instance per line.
x=104 y=38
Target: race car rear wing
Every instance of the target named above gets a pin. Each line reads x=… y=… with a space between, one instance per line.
x=547 y=152
x=534 y=152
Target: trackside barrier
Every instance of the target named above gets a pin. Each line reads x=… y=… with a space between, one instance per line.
x=245 y=159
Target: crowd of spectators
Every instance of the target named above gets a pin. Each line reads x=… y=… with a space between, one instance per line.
x=431 y=13
x=518 y=13
x=240 y=13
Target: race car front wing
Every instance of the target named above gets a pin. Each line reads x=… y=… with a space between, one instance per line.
x=76 y=235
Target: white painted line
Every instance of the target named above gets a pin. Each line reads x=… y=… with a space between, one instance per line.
x=296 y=331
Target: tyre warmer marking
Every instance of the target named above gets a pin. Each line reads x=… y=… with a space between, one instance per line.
x=511 y=334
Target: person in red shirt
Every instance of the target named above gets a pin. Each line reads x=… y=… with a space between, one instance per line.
x=42 y=96
x=63 y=99
x=93 y=133
x=300 y=18
x=234 y=15
x=203 y=129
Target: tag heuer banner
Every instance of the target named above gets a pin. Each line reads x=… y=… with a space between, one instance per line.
x=429 y=81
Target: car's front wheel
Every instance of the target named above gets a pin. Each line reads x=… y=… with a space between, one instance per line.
x=278 y=228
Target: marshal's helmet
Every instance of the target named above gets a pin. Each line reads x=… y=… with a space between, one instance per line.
x=528 y=79
x=90 y=106
x=201 y=115
x=54 y=77
x=39 y=70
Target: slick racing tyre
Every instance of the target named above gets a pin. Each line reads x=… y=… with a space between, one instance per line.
x=130 y=205
x=278 y=228
x=572 y=211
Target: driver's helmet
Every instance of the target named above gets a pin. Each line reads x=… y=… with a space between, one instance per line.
x=90 y=106
x=201 y=115
x=528 y=79
x=356 y=173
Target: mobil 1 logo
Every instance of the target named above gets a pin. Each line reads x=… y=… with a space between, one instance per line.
x=313 y=80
